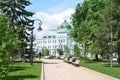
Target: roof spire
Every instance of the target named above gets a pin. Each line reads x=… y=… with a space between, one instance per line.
x=65 y=25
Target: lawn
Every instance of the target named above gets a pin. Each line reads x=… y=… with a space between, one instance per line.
x=103 y=67
x=24 y=71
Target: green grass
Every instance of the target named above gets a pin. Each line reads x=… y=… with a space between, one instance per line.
x=103 y=67
x=24 y=71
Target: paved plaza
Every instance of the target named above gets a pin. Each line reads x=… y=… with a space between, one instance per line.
x=59 y=70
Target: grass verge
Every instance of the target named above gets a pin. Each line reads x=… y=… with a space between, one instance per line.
x=103 y=67
x=24 y=71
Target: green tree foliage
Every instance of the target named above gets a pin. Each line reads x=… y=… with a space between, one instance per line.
x=15 y=9
x=13 y=30
x=8 y=43
x=116 y=26
x=66 y=50
x=46 y=51
x=87 y=20
x=88 y=29
x=60 y=51
x=42 y=51
x=99 y=32
x=20 y=22
x=76 y=51
x=80 y=32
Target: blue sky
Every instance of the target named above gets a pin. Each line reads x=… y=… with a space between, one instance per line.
x=52 y=6
x=52 y=13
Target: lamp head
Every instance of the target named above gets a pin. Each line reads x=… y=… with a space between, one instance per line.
x=39 y=28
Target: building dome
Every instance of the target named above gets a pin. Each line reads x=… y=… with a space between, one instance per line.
x=65 y=25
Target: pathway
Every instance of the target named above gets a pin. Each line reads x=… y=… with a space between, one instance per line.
x=59 y=70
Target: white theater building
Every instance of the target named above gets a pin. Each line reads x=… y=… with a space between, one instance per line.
x=57 y=38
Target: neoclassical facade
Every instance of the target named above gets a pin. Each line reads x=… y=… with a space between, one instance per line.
x=57 y=38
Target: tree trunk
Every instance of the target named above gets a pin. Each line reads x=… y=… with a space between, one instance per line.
x=118 y=59
x=96 y=57
x=31 y=59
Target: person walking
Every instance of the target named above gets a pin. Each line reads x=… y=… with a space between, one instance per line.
x=40 y=55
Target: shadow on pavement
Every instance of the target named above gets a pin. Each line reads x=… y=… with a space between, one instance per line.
x=50 y=63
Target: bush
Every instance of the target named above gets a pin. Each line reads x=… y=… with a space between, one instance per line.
x=74 y=59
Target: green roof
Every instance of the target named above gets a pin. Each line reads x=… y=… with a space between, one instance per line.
x=65 y=25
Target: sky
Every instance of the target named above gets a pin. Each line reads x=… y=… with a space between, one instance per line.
x=52 y=13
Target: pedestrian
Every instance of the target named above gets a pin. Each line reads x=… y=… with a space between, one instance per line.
x=39 y=55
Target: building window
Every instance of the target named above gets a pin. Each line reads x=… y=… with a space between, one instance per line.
x=59 y=40
x=53 y=47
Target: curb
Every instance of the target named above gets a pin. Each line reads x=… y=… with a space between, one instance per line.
x=42 y=72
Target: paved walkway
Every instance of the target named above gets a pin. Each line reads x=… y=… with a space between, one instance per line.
x=59 y=70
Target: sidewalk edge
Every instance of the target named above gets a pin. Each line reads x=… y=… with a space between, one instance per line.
x=42 y=72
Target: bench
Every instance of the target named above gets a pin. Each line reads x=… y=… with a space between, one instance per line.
x=66 y=59
x=70 y=60
x=77 y=62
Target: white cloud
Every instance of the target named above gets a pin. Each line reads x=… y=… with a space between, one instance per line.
x=52 y=20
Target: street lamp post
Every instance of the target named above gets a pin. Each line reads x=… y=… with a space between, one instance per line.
x=31 y=44
x=111 y=36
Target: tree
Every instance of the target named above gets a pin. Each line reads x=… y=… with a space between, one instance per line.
x=60 y=51
x=87 y=27
x=116 y=27
x=80 y=32
x=96 y=25
x=110 y=23
x=95 y=21
x=66 y=50
x=112 y=16
x=76 y=51
x=43 y=51
x=8 y=43
x=46 y=52
x=20 y=22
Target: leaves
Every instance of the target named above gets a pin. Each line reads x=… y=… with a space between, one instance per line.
x=13 y=31
x=20 y=22
x=76 y=51
x=88 y=27
x=8 y=43
x=66 y=50
x=60 y=51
